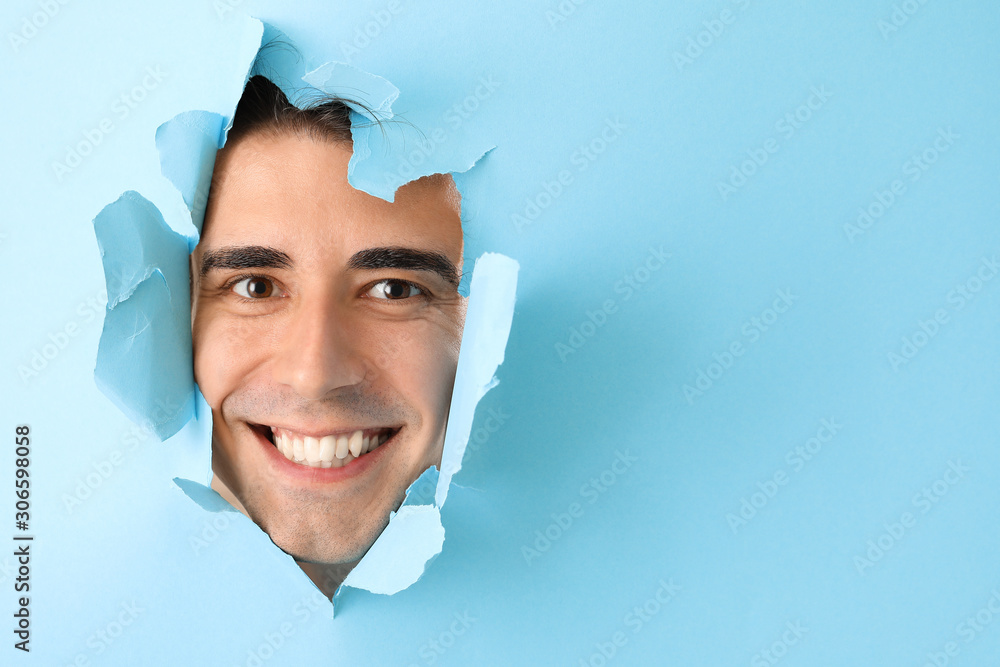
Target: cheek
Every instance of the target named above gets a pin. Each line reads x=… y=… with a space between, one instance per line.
x=419 y=360
x=223 y=354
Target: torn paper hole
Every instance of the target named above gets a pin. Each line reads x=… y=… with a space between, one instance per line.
x=151 y=330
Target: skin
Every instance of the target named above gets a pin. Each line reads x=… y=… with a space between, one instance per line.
x=321 y=346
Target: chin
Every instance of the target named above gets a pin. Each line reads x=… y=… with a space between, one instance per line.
x=323 y=493
x=330 y=547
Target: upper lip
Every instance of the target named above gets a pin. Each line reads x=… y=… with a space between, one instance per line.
x=320 y=432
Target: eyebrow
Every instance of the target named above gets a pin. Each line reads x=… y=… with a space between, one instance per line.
x=263 y=257
x=244 y=257
x=407 y=259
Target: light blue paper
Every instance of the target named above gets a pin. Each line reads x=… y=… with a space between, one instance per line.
x=487 y=326
x=354 y=86
x=370 y=98
x=622 y=130
x=400 y=554
x=144 y=360
x=388 y=152
x=206 y=497
x=187 y=145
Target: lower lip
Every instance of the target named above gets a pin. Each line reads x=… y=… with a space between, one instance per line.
x=306 y=474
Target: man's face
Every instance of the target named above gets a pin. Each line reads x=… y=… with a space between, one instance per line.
x=326 y=327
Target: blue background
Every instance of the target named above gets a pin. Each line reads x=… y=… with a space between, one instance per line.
x=200 y=589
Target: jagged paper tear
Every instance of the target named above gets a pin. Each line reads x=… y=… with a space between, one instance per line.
x=415 y=535
x=145 y=357
x=187 y=145
x=494 y=281
x=144 y=360
x=387 y=153
x=401 y=553
x=147 y=323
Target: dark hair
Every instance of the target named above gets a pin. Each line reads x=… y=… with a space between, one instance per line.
x=264 y=108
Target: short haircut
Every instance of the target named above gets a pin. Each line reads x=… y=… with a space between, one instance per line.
x=264 y=108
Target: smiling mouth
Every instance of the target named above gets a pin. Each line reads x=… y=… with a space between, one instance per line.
x=333 y=450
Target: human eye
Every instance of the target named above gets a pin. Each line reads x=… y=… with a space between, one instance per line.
x=394 y=289
x=251 y=287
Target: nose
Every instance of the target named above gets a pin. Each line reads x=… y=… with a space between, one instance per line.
x=319 y=353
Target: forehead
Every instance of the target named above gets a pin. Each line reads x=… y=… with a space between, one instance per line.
x=292 y=190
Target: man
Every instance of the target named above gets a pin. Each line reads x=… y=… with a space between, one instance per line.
x=326 y=328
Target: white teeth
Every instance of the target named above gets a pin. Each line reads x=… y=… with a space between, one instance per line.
x=355 y=442
x=326 y=448
x=311 y=446
x=330 y=451
x=342 y=447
